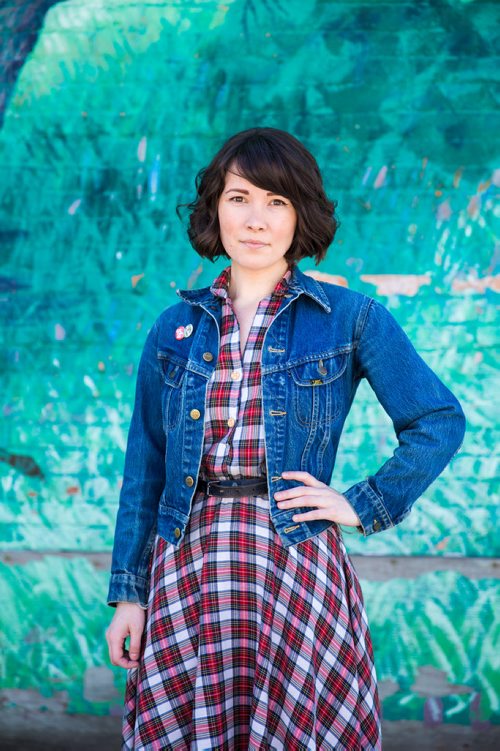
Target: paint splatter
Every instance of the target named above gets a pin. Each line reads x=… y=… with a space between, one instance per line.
x=380 y=179
x=142 y=149
x=322 y=276
x=136 y=279
x=397 y=284
x=22 y=463
x=444 y=211
x=477 y=284
x=74 y=206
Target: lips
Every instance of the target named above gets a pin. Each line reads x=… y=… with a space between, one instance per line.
x=254 y=243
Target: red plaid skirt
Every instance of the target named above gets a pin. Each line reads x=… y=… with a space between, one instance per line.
x=250 y=645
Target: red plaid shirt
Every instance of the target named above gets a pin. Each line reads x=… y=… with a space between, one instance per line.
x=234 y=429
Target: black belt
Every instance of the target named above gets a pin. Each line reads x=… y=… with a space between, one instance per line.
x=234 y=488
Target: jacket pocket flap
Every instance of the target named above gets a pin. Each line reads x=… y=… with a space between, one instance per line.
x=319 y=371
x=173 y=372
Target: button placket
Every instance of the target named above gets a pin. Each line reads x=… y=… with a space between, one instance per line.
x=236 y=375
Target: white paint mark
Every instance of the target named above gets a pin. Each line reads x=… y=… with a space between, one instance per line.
x=142 y=149
x=90 y=384
x=74 y=206
x=380 y=179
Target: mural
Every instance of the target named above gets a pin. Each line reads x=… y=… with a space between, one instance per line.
x=116 y=108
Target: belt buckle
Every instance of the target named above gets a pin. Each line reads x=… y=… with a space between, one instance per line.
x=209 y=483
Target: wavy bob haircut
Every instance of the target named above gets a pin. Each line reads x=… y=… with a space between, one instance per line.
x=276 y=161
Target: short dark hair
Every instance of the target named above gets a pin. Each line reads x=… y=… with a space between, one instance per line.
x=273 y=160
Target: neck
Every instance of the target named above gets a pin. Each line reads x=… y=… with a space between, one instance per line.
x=252 y=285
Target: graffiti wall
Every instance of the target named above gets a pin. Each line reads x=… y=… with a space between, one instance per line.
x=110 y=108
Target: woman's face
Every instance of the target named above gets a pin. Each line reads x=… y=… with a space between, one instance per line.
x=256 y=226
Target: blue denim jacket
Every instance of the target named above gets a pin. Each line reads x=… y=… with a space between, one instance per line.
x=322 y=342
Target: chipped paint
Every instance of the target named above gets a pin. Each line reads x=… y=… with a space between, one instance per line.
x=323 y=276
x=397 y=284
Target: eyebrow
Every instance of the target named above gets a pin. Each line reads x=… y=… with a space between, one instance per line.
x=246 y=192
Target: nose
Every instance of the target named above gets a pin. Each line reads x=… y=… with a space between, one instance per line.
x=255 y=219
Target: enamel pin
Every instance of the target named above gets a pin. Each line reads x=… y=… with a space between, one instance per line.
x=182 y=331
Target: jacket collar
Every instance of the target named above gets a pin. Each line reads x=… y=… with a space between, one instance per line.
x=299 y=283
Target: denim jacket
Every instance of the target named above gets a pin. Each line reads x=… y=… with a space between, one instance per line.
x=323 y=340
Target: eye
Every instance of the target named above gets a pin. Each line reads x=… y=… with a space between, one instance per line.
x=236 y=199
x=279 y=202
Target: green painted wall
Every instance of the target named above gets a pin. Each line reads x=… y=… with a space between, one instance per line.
x=116 y=108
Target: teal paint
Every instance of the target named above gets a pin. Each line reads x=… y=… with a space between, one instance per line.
x=115 y=109
x=440 y=623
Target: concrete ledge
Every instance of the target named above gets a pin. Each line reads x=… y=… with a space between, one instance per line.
x=369 y=567
x=35 y=731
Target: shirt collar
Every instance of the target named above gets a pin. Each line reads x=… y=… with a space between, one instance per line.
x=299 y=283
x=220 y=285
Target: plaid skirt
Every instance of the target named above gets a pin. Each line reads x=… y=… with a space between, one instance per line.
x=251 y=646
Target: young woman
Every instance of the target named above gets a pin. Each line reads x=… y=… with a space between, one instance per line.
x=230 y=577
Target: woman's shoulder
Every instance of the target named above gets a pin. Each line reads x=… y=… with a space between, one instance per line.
x=174 y=312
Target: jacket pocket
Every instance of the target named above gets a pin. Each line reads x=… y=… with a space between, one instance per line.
x=173 y=389
x=317 y=391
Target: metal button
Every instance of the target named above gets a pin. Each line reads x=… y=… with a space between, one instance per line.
x=195 y=414
x=208 y=356
x=236 y=375
x=376 y=525
x=231 y=422
x=189 y=481
x=177 y=532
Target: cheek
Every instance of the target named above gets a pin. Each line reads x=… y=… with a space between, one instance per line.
x=226 y=222
x=290 y=227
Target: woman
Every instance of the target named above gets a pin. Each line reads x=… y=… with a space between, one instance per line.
x=230 y=577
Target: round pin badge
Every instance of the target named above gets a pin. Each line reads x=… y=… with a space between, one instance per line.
x=180 y=332
x=188 y=330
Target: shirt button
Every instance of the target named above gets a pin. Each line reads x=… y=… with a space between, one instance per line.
x=231 y=422
x=177 y=532
x=189 y=481
x=236 y=375
x=208 y=356
x=195 y=414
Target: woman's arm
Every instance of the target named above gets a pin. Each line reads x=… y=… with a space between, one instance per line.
x=143 y=483
x=428 y=420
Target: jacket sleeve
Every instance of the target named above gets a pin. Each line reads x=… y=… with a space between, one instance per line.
x=428 y=420
x=143 y=483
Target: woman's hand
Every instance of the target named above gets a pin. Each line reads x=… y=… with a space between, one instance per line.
x=128 y=620
x=328 y=503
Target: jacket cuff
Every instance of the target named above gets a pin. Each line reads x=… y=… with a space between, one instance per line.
x=370 y=508
x=128 y=588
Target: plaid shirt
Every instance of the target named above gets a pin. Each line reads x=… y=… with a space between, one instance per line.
x=234 y=429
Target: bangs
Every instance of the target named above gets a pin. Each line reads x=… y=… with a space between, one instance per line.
x=258 y=162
